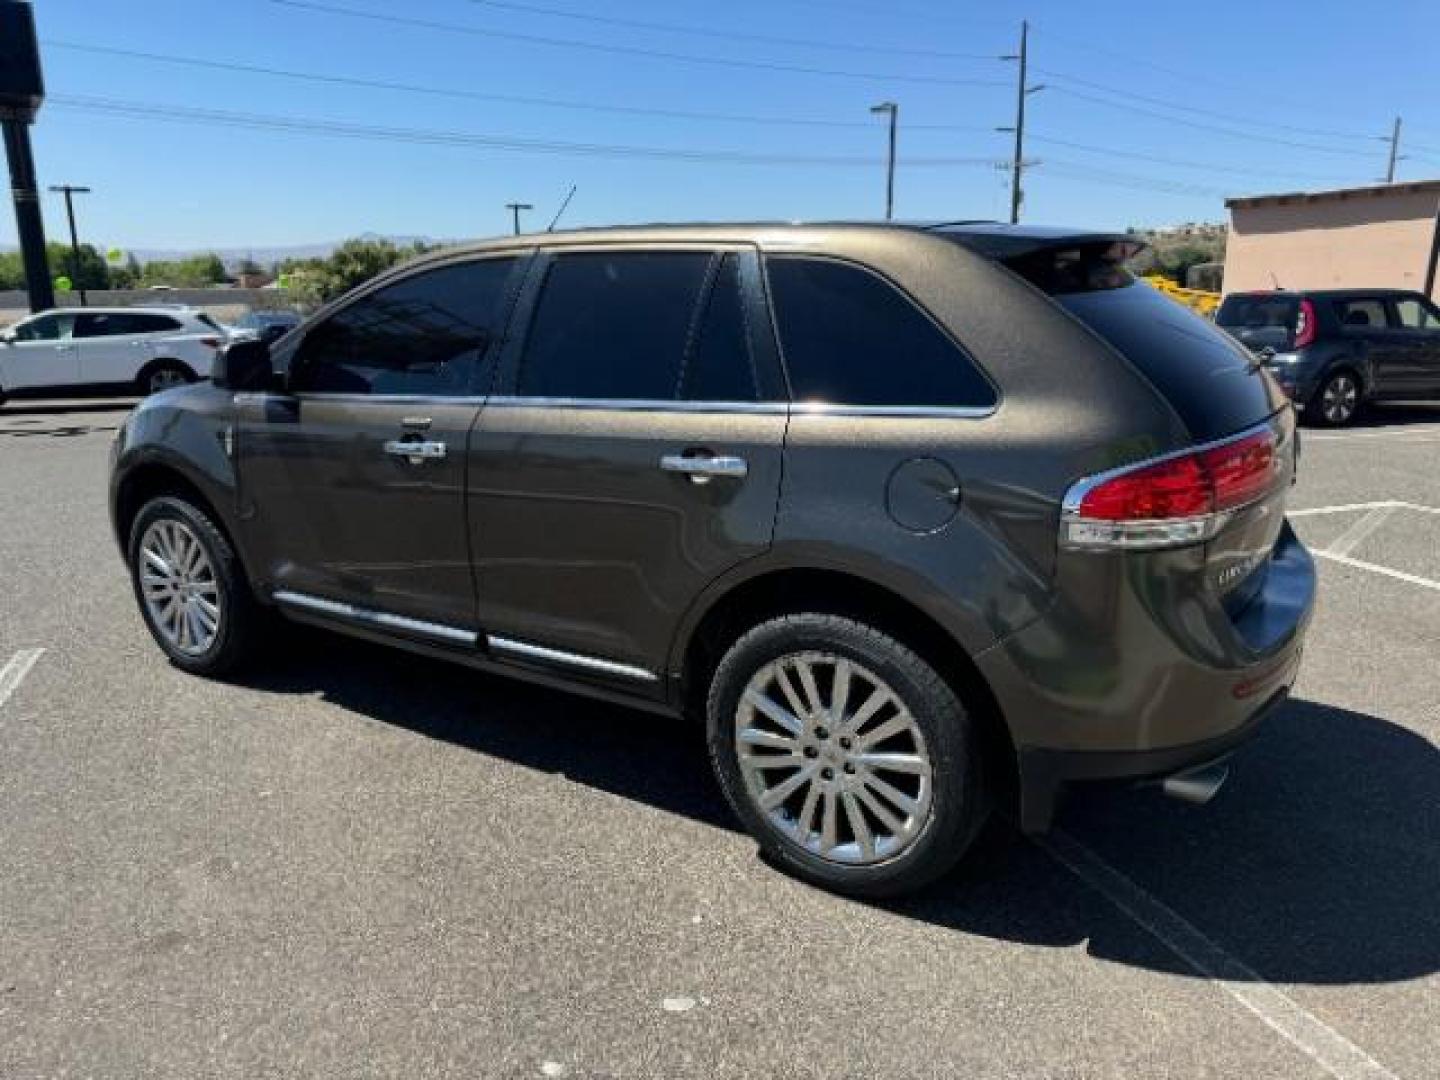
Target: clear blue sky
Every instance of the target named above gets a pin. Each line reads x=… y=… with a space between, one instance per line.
x=1323 y=75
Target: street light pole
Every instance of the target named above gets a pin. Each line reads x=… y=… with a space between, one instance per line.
x=69 y=191
x=515 y=208
x=894 y=112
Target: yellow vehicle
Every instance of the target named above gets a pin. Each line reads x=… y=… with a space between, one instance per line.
x=1196 y=299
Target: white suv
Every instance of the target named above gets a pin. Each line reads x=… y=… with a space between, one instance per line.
x=130 y=350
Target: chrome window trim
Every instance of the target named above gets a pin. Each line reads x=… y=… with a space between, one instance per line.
x=526 y=651
x=808 y=408
x=1075 y=494
x=934 y=412
x=389 y=399
x=511 y=401
x=384 y=619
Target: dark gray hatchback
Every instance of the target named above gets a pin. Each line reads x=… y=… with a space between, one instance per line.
x=906 y=514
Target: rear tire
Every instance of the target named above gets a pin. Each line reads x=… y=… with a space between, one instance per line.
x=864 y=800
x=191 y=588
x=163 y=375
x=1337 y=401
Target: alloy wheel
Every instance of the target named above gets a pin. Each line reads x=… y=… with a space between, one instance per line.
x=1339 y=399
x=179 y=587
x=833 y=759
x=166 y=377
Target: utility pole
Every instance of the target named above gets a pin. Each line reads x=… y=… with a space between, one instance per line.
x=1394 y=152
x=515 y=208
x=1022 y=91
x=69 y=191
x=22 y=90
x=894 y=112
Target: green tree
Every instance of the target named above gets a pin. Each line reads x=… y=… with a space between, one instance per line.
x=89 y=272
x=12 y=270
x=353 y=263
x=195 y=272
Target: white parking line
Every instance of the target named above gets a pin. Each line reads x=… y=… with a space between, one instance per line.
x=1354 y=536
x=1344 y=508
x=1360 y=564
x=1350 y=508
x=1336 y=1054
x=1424 y=434
x=14 y=672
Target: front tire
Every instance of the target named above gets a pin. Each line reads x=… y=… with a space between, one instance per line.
x=848 y=758
x=1337 y=401
x=191 y=588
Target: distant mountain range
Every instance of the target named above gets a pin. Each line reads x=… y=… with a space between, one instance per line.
x=234 y=256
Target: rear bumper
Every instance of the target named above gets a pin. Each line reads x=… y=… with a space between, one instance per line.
x=1134 y=680
x=1045 y=774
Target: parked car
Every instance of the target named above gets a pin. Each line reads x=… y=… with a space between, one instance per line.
x=1334 y=350
x=913 y=518
x=125 y=349
x=267 y=326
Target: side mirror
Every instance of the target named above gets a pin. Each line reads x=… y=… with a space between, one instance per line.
x=244 y=365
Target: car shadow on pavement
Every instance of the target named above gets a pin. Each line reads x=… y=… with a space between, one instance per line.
x=1395 y=414
x=1318 y=863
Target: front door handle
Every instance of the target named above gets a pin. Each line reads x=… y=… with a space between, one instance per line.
x=415 y=451
x=702 y=467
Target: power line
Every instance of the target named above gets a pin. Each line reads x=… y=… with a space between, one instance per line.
x=475 y=140
x=629 y=50
x=725 y=35
x=1080 y=171
x=1202 y=126
x=1248 y=121
x=1181 y=163
x=478 y=95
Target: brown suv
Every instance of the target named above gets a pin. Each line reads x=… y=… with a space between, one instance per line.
x=913 y=517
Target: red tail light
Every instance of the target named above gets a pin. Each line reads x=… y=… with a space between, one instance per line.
x=1179 y=499
x=212 y=342
x=1305 y=328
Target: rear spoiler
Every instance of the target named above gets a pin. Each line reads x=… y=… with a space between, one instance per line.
x=996 y=243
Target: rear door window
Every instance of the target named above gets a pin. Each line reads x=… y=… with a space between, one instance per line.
x=849 y=337
x=1361 y=314
x=613 y=325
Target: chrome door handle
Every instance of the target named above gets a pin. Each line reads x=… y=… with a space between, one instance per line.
x=700 y=468
x=415 y=451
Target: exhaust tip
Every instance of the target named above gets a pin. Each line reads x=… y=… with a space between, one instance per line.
x=1198 y=786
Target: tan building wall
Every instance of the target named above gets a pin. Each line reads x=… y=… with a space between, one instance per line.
x=1375 y=237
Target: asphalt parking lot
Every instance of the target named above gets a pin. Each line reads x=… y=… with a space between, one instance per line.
x=356 y=863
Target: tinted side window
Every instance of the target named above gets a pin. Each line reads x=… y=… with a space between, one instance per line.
x=95 y=325
x=426 y=335
x=720 y=366
x=44 y=328
x=1257 y=312
x=851 y=338
x=1415 y=315
x=612 y=325
x=1360 y=314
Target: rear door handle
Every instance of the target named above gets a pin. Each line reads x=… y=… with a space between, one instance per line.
x=702 y=467
x=415 y=451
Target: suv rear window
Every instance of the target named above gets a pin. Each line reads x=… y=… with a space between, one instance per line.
x=1207 y=377
x=1242 y=311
